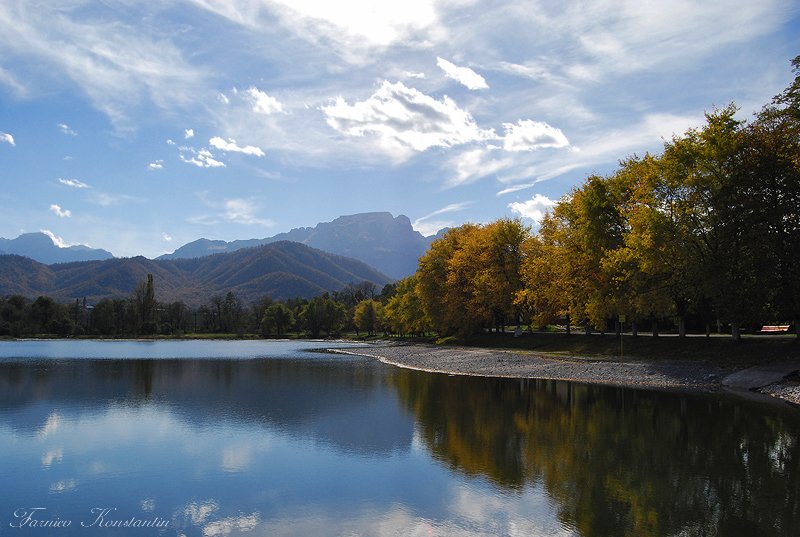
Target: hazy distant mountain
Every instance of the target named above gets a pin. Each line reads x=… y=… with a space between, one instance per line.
x=382 y=241
x=40 y=247
x=282 y=270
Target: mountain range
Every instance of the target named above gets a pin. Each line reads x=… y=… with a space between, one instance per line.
x=41 y=247
x=389 y=244
x=281 y=270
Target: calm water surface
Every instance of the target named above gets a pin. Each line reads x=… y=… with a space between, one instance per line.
x=263 y=438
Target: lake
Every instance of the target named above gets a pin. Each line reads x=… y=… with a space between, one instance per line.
x=264 y=438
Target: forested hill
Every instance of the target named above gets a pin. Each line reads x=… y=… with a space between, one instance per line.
x=281 y=270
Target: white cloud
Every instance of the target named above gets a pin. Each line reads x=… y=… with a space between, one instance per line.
x=529 y=135
x=263 y=103
x=166 y=237
x=463 y=75
x=535 y=208
x=475 y=164
x=202 y=158
x=7 y=139
x=231 y=146
x=11 y=82
x=405 y=119
x=170 y=142
x=235 y=210
x=515 y=188
x=352 y=24
x=242 y=211
x=107 y=200
x=73 y=183
x=57 y=241
x=428 y=227
x=59 y=212
x=118 y=65
x=412 y=74
x=65 y=129
x=188 y=133
x=156 y=165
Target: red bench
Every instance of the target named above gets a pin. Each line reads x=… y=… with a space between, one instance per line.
x=772 y=329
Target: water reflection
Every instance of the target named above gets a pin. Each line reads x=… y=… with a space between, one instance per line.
x=325 y=400
x=618 y=461
x=331 y=445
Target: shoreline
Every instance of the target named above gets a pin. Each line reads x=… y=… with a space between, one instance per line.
x=764 y=382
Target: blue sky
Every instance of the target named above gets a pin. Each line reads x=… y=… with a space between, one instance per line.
x=140 y=126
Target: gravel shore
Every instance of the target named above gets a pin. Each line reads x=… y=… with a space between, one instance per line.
x=661 y=374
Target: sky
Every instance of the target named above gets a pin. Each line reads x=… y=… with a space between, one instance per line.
x=140 y=126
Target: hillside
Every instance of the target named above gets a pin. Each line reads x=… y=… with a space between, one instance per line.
x=380 y=240
x=281 y=270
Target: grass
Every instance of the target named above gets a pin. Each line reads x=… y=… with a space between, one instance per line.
x=723 y=351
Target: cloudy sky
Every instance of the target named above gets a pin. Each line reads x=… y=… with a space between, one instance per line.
x=139 y=126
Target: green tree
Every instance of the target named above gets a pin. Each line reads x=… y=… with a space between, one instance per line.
x=403 y=312
x=145 y=302
x=277 y=319
x=321 y=313
x=368 y=316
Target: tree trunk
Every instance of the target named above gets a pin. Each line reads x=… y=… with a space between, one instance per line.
x=735 y=333
x=617 y=328
x=634 y=329
x=681 y=327
x=708 y=329
x=568 y=328
x=655 y=328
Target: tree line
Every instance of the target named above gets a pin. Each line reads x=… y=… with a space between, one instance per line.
x=141 y=314
x=707 y=232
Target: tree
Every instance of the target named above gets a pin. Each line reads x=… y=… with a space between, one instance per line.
x=321 y=313
x=231 y=314
x=144 y=298
x=468 y=279
x=277 y=318
x=368 y=316
x=403 y=312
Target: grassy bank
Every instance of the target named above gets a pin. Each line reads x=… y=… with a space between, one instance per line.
x=722 y=351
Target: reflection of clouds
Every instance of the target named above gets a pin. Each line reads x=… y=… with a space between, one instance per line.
x=236 y=459
x=226 y=526
x=148 y=505
x=50 y=425
x=418 y=444
x=99 y=467
x=471 y=513
x=533 y=513
x=396 y=521
x=54 y=455
x=65 y=485
x=198 y=513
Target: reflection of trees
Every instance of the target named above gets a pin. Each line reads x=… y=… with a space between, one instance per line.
x=618 y=461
